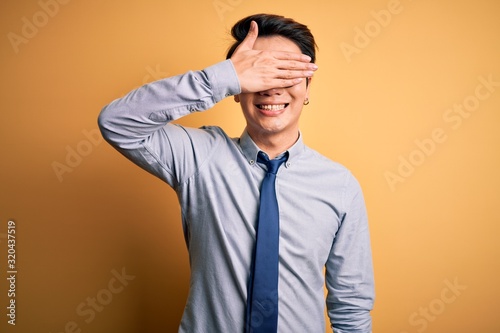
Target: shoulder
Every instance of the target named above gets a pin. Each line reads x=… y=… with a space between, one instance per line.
x=329 y=170
x=317 y=160
x=210 y=137
x=203 y=132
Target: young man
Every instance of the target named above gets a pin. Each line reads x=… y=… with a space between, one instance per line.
x=258 y=255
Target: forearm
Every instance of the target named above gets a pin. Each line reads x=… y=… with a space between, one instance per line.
x=350 y=302
x=137 y=124
x=128 y=121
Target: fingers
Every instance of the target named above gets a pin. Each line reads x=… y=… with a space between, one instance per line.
x=291 y=56
x=260 y=70
x=283 y=83
x=289 y=74
x=253 y=32
x=296 y=65
x=293 y=72
x=251 y=37
x=286 y=83
x=286 y=79
x=289 y=69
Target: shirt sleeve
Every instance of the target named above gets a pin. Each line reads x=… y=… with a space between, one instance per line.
x=137 y=125
x=349 y=269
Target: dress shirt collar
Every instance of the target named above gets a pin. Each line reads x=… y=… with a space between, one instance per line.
x=250 y=149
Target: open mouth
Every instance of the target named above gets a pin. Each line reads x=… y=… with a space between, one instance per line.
x=272 y=107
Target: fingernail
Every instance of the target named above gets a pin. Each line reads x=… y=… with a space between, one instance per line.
x=314 y=66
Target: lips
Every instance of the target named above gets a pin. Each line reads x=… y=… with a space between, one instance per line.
x=271 y=110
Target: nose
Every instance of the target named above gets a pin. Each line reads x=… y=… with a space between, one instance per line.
x=271 y=92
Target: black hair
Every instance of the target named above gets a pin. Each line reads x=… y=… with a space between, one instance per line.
x=275 y=25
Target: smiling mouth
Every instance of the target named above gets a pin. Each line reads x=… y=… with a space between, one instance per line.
x=272 y=107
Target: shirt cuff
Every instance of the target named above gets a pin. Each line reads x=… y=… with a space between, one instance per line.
x=224 y=80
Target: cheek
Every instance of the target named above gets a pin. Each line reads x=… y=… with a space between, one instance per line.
x=245 y=101
x=299 y=91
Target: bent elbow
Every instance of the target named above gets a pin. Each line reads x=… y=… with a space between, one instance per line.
x=105 y=124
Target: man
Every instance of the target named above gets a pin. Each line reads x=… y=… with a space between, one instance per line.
x=319 y=221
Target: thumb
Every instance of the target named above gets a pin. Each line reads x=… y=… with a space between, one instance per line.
x=251 y=36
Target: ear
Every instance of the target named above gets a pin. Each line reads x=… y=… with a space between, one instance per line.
x=308 y=85
x=237 y=98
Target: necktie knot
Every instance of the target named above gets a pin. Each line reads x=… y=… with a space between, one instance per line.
x=272 y=165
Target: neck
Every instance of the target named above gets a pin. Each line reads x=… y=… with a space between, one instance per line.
x=273 y=144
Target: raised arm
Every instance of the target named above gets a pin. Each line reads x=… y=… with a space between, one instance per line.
x=136 y=123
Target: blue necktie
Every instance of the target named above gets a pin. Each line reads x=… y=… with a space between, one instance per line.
x=262 y=302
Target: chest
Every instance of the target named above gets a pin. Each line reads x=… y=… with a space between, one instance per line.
x=224 y=197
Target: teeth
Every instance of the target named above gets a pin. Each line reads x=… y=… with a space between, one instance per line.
x=272 y=107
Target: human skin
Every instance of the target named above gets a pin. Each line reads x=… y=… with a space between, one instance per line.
x=272 y=73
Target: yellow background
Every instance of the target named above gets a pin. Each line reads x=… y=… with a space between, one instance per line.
x=435 y=227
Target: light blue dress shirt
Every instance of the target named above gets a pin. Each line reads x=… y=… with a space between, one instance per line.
x=324 y=234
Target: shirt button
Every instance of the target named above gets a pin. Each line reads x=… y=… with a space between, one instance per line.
x=252 y=162
x=287 y=164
